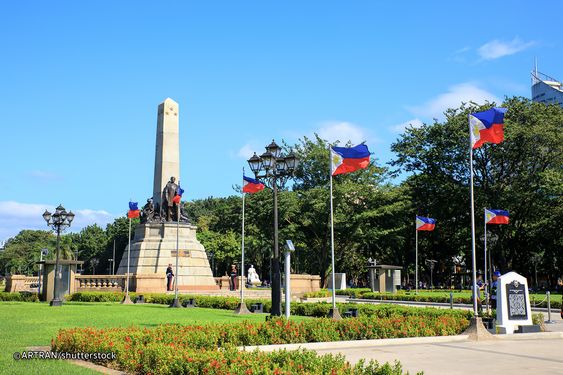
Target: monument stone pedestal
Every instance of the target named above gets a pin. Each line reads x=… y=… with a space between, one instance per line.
x=154 y=247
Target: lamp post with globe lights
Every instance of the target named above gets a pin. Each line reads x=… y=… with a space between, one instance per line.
x=59 y=221
x=274 y=169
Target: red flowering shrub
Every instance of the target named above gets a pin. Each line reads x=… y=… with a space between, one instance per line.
x=211 y=348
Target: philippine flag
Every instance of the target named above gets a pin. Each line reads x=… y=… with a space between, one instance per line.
x=348 y=159
x=425 y=223
x=178 y=197
x=133 y=210
x=496 y=216
x=487 y=126
x=251 y=185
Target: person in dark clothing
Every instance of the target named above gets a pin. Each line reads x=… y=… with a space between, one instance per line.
x=233 y=275
x=169 y=277
x=494 y=287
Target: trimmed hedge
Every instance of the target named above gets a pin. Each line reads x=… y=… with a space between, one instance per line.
x=19 y=296
x=364 y=293
x=297 y=308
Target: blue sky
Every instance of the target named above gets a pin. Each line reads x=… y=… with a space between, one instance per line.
x=81 y=82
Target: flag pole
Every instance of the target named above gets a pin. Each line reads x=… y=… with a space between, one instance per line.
x=242 y=246
x=334 y=313
x=416 y=258
x=473 y=260
x=176 y=302
x=485 y=276
x=127 y=299
x=241 y=308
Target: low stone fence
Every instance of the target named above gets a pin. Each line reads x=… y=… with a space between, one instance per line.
x=21 y=283
x=100 y=283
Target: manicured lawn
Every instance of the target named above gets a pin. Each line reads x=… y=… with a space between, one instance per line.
x=24 y=324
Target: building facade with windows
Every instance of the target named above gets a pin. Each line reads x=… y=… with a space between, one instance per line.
x=546 y=89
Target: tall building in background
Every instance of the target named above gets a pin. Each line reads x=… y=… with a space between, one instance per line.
x=546 y=89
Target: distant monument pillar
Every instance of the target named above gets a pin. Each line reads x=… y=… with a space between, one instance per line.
x=167 y=151
x=157 y=242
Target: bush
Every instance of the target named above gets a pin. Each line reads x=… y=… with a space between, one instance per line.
x=323 y=293
x=19 y=296
x=177 y=348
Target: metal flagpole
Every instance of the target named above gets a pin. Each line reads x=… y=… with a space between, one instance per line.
x=241 y=308
x=335 y=313
x=416 y=258
x=127 y=299
x=485 y=276
x=473 y=260
x=177 y=250
x=113 y=261
x=242 y=246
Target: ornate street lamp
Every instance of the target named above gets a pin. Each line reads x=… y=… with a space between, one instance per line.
x=59 y=221
x=274 y=169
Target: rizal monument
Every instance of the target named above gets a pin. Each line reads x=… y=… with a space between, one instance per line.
x=162 y=235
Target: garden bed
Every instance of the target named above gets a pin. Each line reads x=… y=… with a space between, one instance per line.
x=194 y=348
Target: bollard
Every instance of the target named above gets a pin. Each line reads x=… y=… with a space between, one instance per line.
x=549 y=321
x=451 y=300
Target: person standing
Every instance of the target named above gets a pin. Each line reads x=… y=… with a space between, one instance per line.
x=233 y=275
x=494 y=287
x=169 y=277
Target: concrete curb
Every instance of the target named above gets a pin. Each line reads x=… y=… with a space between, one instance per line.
x=331 y=345
x=358 y=343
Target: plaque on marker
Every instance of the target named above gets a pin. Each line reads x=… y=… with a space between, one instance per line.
x=516 y=301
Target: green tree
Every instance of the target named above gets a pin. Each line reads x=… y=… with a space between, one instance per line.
x=523 y=174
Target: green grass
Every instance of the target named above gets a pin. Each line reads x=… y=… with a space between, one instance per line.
x=25 y=324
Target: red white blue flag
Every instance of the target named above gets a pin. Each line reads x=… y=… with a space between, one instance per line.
x=425 y=223
x=178 y=197
x=133 y=210
x=348 y=159
x=487 y=126
x=251 y=185
x=496 y=216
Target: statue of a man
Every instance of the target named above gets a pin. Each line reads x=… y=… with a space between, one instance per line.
x=167 y=198
x=147 y=213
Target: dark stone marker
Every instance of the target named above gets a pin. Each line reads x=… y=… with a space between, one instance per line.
x=516 y=301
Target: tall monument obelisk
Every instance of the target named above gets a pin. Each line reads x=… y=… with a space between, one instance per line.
x=167 y=154
x=157 y=241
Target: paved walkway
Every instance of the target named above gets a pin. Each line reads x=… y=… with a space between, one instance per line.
x=537 y=357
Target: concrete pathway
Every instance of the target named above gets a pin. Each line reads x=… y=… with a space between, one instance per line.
x=535 y=356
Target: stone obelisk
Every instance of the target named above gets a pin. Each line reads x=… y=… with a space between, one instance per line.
x=167 y=154
x=157 y=242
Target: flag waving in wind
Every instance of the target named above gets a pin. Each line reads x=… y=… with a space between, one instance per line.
x=487 y=126
x=251 y=185
x=425 y=223
x=178 y=197
x=348 y=159
x=496 y=216
x=133 y=210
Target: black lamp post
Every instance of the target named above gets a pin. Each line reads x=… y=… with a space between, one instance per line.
x=274 y=169
x=59 y=221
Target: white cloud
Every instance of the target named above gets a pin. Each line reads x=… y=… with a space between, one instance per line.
x=342 y=131
x=16 y=216
x=463 y=92
x=246 y=151
x=399 y=128
x=44 y=175
x=496 y=48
